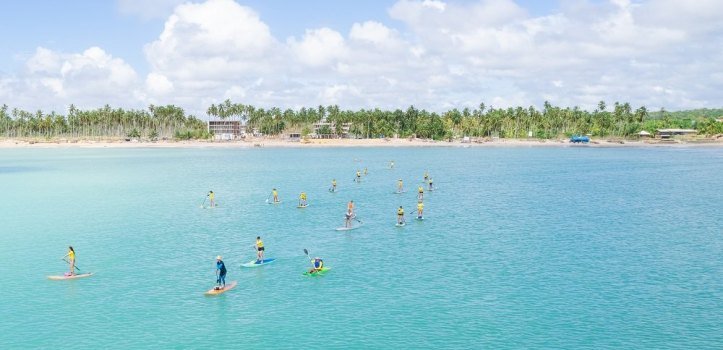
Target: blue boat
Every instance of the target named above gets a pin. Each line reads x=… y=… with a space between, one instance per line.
x=579 y=139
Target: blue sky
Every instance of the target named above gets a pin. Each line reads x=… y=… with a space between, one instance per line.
x=361 y=53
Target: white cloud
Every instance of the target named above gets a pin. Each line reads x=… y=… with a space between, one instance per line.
x=440 y=54
x=319 y=47
x=158 y=84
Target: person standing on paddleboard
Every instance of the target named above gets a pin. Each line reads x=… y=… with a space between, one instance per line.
x=400 y=215
x=347 y=218
x=318 y=265
x=366 y=172
x=71 y=260
x=400 y=186
x=420 y=193
x=430 y=184
x=220 y=273
x=333 y=185
x=420 y=210
x=350 y=208
x=259 y=249
x=212 y=198
x=302 y=199
x=275 y=194
x=358 y=176
x=426 y=176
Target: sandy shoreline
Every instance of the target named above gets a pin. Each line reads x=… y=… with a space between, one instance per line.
x=277 y=143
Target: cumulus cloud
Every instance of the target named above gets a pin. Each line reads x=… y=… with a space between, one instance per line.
x=55 y=79
x=438 y=55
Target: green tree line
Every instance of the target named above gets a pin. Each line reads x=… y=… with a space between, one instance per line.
x=106 y=122
x=618 y=120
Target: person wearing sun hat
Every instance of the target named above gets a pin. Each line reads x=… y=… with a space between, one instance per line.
x=220 y=273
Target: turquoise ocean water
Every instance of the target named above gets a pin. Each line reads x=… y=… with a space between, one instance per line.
x=520 y=248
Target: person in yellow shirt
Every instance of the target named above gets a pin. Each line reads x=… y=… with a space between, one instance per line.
x=400 y=186
x=302 y=199
x=275 y=194
x=365 y=171
x=420 y=210
x=426 y=176
x=420 y=193
x=70 y=261
x=400 y=216
x=259 y=249
x=333 y=186
x=212 y=198
x=358 y=176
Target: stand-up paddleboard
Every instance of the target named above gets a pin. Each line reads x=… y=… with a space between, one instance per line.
x=69 y=277
x=353 y=227
x=272 y=202
x=302 y=206
x=256 y=263
x=401 y=225
x=210 y=207
x=399 y=192
x=225 y=289
x=318 y=273
x=420 y=218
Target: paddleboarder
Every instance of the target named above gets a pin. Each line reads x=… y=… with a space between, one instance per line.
x=212 y=198
x=400 y=215
x=220 y=273
x=302 y=199
x=259 y=249
x=71 y=261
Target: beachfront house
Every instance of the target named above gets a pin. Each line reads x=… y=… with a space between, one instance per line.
x=328 y=130
x=226 y=129
x=670 y=133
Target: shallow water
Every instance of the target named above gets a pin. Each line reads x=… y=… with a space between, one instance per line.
x=520 y=248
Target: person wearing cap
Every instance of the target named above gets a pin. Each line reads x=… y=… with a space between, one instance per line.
x=259 y=249
x=400 y=186
x=276 y=195
x=220 y=273
x=318 y=264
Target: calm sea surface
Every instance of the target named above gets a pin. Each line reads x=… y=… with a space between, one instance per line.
x=520 y=248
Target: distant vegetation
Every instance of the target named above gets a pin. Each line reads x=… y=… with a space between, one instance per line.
x=618 y=120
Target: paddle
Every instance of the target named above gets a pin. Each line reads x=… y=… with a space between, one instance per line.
x=68 y=262
x=203 y=205
x=267 y=198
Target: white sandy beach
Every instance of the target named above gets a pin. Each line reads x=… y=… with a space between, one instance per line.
x=314 y=143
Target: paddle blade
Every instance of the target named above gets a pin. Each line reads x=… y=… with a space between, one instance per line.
x=306 y=252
